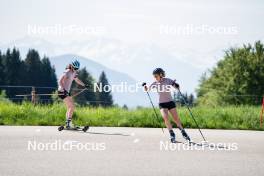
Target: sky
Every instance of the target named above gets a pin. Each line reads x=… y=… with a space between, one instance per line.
x=201 y=29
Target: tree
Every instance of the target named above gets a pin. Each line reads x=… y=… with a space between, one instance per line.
x=105 y=97
x=180 y=100
x=11 y=67
x=237 y=79
x=40 y=73
x=11 y=63
x=191 y=99
x=48 y=75
x=125 y=107
x=33 y=69
x=47 y=78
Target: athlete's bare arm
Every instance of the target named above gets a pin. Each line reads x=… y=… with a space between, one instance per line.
x=61 y=81
x=78 y=81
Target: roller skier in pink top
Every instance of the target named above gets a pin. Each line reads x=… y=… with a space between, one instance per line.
x=65 y=83
x=163 y=86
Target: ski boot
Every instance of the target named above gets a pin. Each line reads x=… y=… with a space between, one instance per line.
x=185 y=135
x=69 y=124
x=172 y=136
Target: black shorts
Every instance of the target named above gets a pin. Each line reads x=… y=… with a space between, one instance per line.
x=62 y=94
x=167 y=105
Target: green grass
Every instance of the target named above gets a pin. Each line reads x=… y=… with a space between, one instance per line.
x=232 y=117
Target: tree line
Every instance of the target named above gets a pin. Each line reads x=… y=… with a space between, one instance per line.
x=236 y=79
x=184 y=98
x=38 y=72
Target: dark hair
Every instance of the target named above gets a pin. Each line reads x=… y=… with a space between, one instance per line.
x=159 y=71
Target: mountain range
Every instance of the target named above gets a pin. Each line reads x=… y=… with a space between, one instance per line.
x=122 y=61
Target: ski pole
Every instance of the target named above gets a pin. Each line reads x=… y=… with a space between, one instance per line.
x=188 y=107
x=79 y=92
x=28 y=95
x=50 y=110
x=156 y=114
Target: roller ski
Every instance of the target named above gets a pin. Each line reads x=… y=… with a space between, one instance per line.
x=70 y=126
x=77 y=128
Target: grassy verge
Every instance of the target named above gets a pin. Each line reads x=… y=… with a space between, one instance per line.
x=232 y=117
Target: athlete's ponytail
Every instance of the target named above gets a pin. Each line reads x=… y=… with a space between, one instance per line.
x=68 y=67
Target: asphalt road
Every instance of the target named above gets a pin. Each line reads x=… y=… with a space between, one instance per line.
x=43 y=151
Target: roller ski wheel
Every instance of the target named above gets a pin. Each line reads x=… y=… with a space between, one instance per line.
x=173 y=139
x=85 y=128
x=61 y=128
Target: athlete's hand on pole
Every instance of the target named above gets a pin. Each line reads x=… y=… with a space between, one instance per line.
x=145 y=86
x=176 y=85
